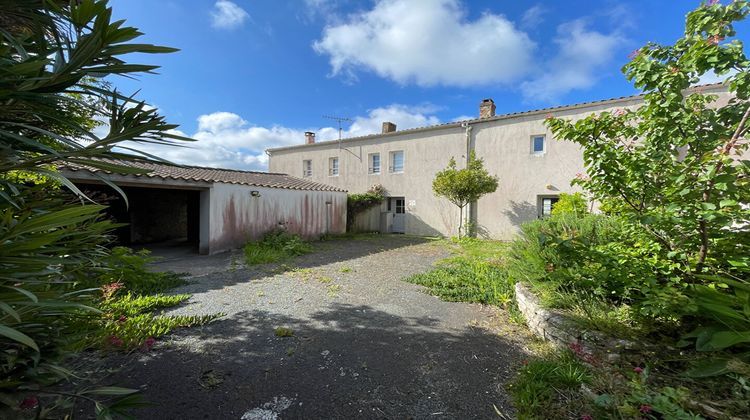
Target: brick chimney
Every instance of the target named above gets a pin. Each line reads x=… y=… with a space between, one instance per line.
x=388 y=127
x=309 y=137
x=487 y=108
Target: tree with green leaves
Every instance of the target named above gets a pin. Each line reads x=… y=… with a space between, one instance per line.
x=54 y=57
x=676 y=167
x=464 y=186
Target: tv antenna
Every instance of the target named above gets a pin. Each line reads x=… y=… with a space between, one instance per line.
x=339 y=120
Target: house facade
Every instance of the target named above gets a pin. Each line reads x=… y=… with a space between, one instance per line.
x=533 y=168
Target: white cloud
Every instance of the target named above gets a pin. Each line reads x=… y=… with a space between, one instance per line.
x=226 y=140
x=582 y=54
x=428 y=42
x=711 y=77
x=533 y=16
x=227 y=15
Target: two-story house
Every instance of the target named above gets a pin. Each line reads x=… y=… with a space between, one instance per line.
x=533 y=168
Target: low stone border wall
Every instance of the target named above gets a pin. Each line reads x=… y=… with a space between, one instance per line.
x=561 y=331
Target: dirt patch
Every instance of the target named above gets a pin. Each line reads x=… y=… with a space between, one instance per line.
x=361 y=342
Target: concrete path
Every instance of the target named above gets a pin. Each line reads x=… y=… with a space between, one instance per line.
x=364 y=343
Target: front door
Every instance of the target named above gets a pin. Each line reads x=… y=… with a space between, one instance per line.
x=398 y=206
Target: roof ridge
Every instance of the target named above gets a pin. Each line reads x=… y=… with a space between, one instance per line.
x=494 y=118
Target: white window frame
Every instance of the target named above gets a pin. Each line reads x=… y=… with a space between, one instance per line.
x=334 y=166
x=307 y=168
x=371 y=168
x=392 y=160
x=540 y=204
x=544 y=144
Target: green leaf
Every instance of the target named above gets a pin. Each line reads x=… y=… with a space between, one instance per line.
x=18 y=336
x=110 y=390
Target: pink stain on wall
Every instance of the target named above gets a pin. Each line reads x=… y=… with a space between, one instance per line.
x=245 y=218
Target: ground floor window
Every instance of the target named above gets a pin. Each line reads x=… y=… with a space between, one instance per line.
x=545 y=204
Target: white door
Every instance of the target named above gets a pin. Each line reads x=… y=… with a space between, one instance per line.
x=398 y=206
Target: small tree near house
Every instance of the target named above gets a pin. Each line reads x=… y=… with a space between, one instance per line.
x=463 y=186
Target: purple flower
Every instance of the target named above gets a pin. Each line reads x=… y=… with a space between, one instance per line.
x=638 y=370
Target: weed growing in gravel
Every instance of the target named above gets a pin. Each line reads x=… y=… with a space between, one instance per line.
x=333 y=290
x=346 y=269
x=325 y=279
x=283 y=332
x=464 y=280
x=129 y=320
x=276 y=246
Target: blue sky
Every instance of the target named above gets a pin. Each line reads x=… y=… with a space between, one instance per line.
x=254 y=74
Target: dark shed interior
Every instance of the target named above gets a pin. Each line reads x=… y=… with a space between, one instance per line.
x=152 y=215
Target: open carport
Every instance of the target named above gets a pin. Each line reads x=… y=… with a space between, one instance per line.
x=212 y=209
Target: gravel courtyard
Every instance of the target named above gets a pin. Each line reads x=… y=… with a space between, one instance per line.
x=364 y=343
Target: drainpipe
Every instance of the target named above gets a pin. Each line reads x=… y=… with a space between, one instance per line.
x=468 y=127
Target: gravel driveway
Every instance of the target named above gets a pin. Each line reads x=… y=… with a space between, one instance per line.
x=364 y=343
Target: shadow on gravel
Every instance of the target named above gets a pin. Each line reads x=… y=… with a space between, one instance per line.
x=325 y=252
x=345 y=362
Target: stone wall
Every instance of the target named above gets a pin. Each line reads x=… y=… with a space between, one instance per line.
x=563 y=332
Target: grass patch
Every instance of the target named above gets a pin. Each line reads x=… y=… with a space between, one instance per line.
x=465 y=280
x=283 y=332
x=474 y=274
x=325 y=279
x=333 y=290
x=544 y=388
x=274 y=247
x=345 y=269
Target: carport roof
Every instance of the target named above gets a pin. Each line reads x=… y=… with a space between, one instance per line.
x=210 y=175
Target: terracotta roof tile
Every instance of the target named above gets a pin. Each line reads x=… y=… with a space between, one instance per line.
x=204 y=174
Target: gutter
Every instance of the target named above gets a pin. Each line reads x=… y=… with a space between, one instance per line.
x=716 y=87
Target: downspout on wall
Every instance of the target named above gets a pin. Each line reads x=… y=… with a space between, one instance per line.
x=472 y=210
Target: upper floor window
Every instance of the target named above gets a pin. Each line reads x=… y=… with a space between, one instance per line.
x=333 y=166
x=307 y=168
x=538 y=145
x=397 y=161
x=374 y=164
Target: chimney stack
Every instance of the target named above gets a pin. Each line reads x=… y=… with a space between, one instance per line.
x=309 y=137
x=388 y=127
x=487 y=108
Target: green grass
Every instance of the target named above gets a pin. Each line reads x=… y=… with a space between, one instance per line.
x=464 y=280
x=474 y=274
x=283 y=332
x=274 y=247
x=543 y=387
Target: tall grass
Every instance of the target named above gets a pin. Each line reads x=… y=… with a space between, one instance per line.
x=275 y=246
x=474 y=274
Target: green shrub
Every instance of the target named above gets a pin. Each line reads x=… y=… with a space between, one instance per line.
x=358 y=203
x=123 y=265
x=275 y=246
x=570 y=204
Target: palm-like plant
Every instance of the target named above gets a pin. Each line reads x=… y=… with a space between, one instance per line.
x=54 y=56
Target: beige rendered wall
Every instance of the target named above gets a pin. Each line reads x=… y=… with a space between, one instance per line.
x=236 y=216
x=525 y=177
x=425 y=153
x=505 y=146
